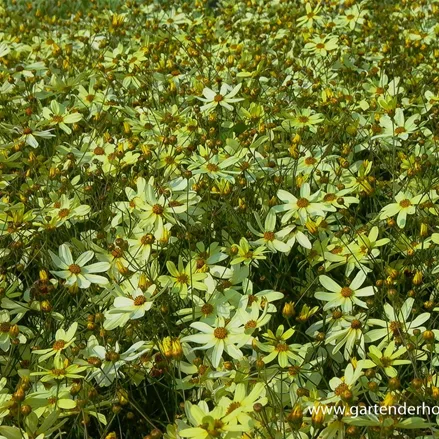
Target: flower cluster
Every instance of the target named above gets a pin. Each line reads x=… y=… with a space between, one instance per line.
x=217 y=217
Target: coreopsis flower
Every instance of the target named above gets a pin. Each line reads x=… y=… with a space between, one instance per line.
x=183 y=278
x=208 y=424
x=274 y=241
x=344 y=297
x=303 y=118
x=347 y=383
x=321 y=46
x=31 y=133
x=240 y=408
x=57 y=115
x=386 y=359
x=206 y=309
x=352 y=17
x=130 y=308
x=397 y=323
x=105 y=363
x=219 y=338
x=155 y=209
x=350 y=333
x=405 y=205
x=216 y=168
x=9 y=330
x=277 y=347
x=61 y=370
x=223 y=98
x=247 y=255
x=63 y=339
x=142 y=243
x=307 y=206
x=76 y=273
x=311 y=17
x=398 y=127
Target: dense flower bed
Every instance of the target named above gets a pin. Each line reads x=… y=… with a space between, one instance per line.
x=218 y=220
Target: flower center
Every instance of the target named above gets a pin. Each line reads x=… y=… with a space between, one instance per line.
x=139 y=300
x=57 y=118
x=294 y=370
x=395 y=327
x=5 y=326
x=157 y=209
x=269 y=236
x=183 y=278
x=405 y=203
x=310 y=161
x=218 y=98
x=282 y=347
x=302 y=203
x=99 y=150
x=147 y=239
x=386 y=361
x=303 y=119
x=74 y=268
x=320 y=46
x=233 y=406
x=329 y=197
x=250 y=324
x=58 y=345
x=346 y=292
x=220 y=333
x=356 y=324
x=58 y=372
x=207 y=309
x=63 y=213
x=341 y=388
x=117 y=253
x=212 y=167
x=400 y=130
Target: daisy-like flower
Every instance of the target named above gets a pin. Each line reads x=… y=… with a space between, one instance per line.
x=57 y=115
x=344 y=297
x=183 y=279
x=30 y=133
x=352 y=17
x=301 y=208
x=208 y=424
x=386 y=359
x=253 y=320
x=76 y=272
x=349 y=382
x=141 y=245
x=397 y=324
x=321 y=46
x=63 y=339
x=9 y=331
x=269 y=238
x=398 y=127
x=349 y=333
x=311 y=17
x=154 y=209
x=223 y=98
x=107 y=362
x=216 y=168
x=219 y=338
x=277 y=347
x=303 y=118
x=130 y=308
x=246 y=255
x=239 y=409
x=405 y=205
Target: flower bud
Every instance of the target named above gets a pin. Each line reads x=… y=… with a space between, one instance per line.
x=288 y=310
